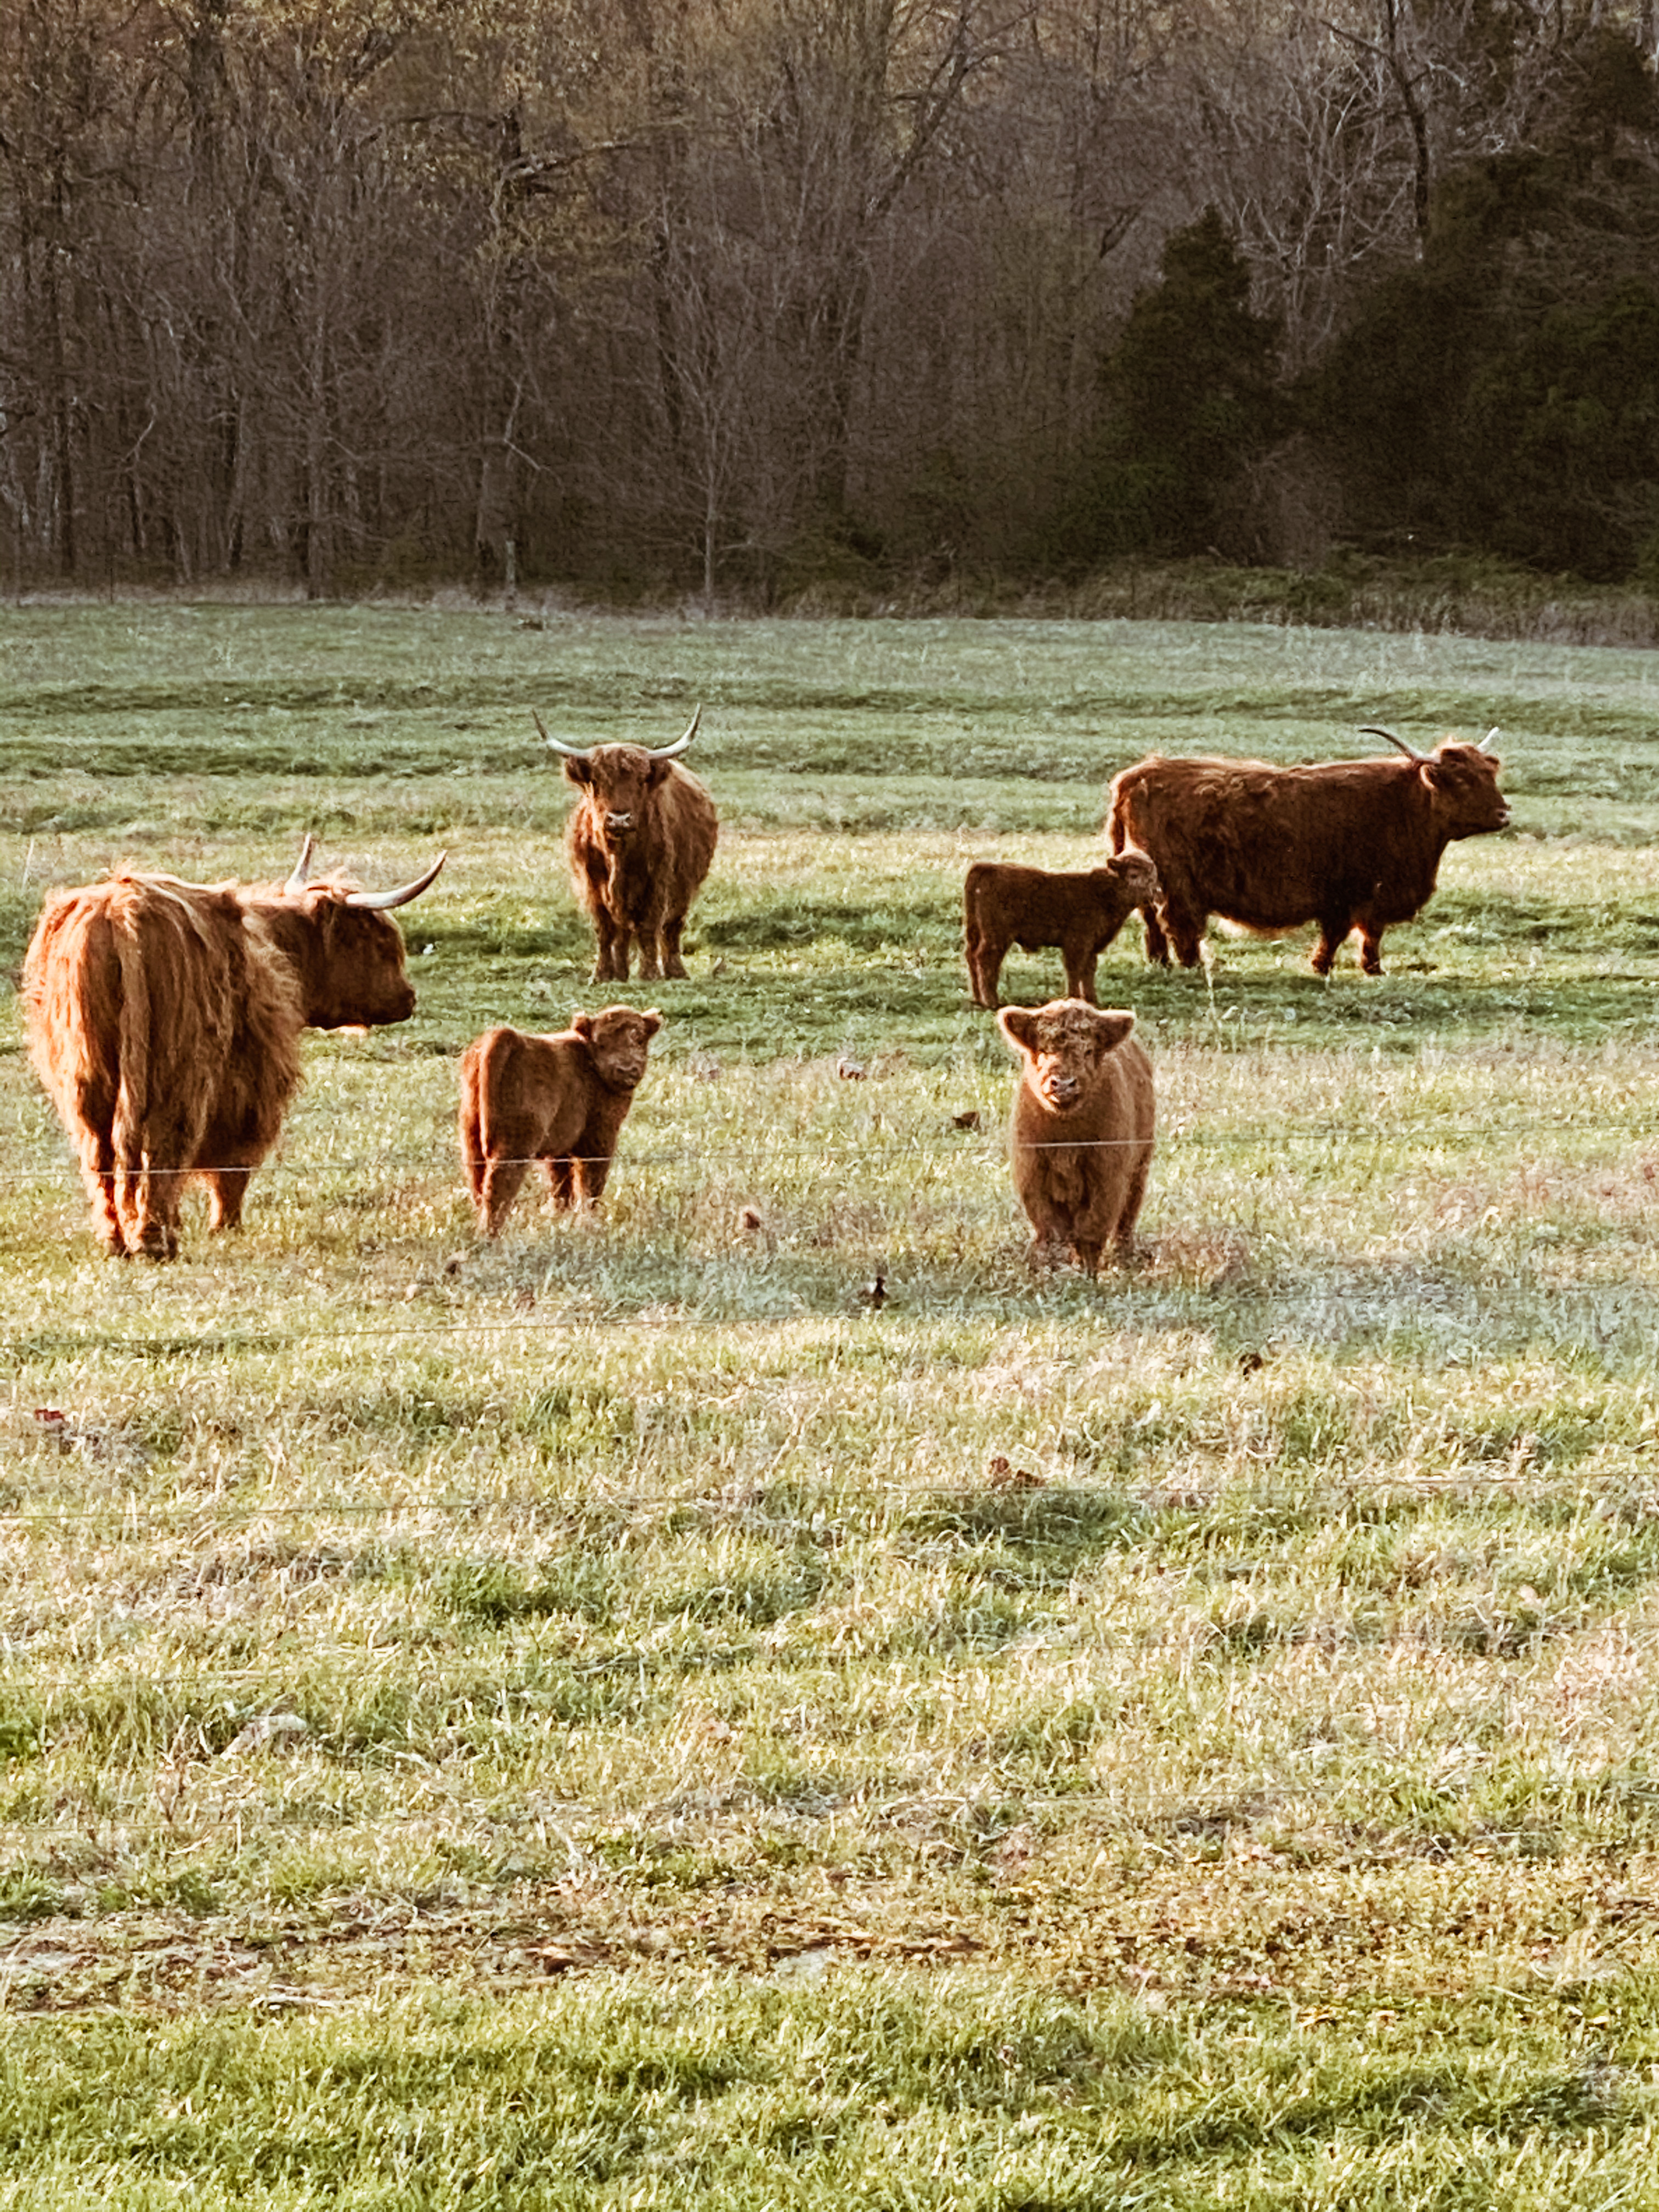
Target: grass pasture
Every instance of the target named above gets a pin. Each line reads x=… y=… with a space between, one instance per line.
x=613 y=1718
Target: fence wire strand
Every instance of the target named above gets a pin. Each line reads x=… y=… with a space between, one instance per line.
x=989 y=1144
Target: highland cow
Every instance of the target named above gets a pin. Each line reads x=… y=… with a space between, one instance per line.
x=1081 y=1136
x=1347 y=844
x=560 y=1100
x=1080 y=912
x=640 y=841
x=164 y=1021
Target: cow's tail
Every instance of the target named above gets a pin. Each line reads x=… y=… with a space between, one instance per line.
x=1117 y=819
x=469 y=1126
x=130 y=1128
x=481 y=1065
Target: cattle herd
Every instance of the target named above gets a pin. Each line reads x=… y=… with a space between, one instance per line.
x=164 y=1017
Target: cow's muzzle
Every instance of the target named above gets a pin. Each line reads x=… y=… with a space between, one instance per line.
x=618 y=824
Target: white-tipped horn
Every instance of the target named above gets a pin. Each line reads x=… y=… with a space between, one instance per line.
x=301 y=875
x=570 y=752
x=1486 y=742
x=383 y=902
x=1374 y=730
x=668 y=752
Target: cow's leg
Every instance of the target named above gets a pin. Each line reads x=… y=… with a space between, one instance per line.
x=1332 y=931
x=1088 y=1255
x=1186 y=932
x=1158 y=945
x=610 y=953
x=106 y=1219
x=1080 y=965
x=1370 y=947
x=651 y=970
x=672 y=961
x=1045 y=1250
x=560 y=1171
x=148 y=1197
x=592 y=1173
x=149 y=1202
x=226 y=1189
x=472 y=1147
x=98 y=1172
x=985 y=957
x=500 y=1186
x=993 y=953
x=973 y=951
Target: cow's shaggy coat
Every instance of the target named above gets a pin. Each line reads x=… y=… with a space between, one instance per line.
x=1081 y=1136
x=164 y=1021
x=1080 y=911
x=1347 y=844
x=560 y=1100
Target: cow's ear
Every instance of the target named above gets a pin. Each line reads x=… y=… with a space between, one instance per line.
x=577 y=769
x=1111 y=1026
x=582 y=1026
x=1018 y=1025
x=659 y=772
x=653 y=1021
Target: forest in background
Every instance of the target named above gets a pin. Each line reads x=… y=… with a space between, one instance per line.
x=787 y=301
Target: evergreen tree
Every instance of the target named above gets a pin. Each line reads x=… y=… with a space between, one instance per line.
x=1190 y=396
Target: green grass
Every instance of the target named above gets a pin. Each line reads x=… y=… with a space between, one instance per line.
x=611 y=1717
x=848 y=2083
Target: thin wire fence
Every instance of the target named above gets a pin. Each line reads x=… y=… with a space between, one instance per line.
x=990 y=1143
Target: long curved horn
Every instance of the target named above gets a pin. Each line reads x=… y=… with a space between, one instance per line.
x=1372 y=730
x=301 y=875
x=1486 y=742
x=570 y=752
x=383 y=902
x=668 y=752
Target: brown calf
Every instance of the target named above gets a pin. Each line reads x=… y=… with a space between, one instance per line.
x=1033 y=908
x=560 y=1100
x=1081 y=1135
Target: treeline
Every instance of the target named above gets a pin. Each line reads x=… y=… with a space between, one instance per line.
x=766 y=297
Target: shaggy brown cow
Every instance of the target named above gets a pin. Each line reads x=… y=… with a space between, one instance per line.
x=1344 y=843
x=1080 y=912
x=1081 y=1136
x=638 y=841
x=164 y=1020
x=560 y=1100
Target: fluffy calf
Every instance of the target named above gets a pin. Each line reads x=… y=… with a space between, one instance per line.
x=560 y=1100
x=640 y=841
x=164 y=1021
x=1348 y=844
x=1033 y=908
x=1081 y=1137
